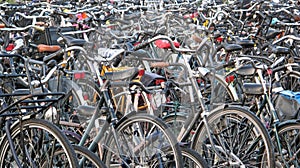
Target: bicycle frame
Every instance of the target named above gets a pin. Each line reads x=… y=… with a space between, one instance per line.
x=22 y=115
x=192 y=88
x=267 y=102
x=111 y=120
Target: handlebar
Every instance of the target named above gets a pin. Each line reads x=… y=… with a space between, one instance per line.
x=23 y=28
x=162 y=37
x=129 y=83
x=248 y=9
x=285 y=67
x=32 y=17
x=286 y=37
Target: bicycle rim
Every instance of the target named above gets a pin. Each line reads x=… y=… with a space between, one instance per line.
x=238 y=136
x=41 y=140
x=192 y=159
x=289 y=139
x=144 y=140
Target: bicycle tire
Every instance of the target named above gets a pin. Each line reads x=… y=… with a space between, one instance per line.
x=143 y=123
x=238 y=131
x=92 y=159
x=290 y=81
x=41 y=139
x=289 y=138
x=192 y=159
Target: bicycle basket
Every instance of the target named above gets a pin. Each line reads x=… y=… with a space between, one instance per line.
x=287 y=105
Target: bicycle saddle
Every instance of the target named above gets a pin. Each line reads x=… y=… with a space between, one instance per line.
x=246 y=70
x=254 y=88
x=232 y=47
x=164 y=44
x=71 y=41
x=48 y=48
x=280 y=50
x=122 y=74
x=86 y=111
x=244 y=43
x=140 y=53
x=272 y=33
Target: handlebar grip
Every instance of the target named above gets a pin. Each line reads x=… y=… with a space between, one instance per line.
x=117 y=61
x=128 y=83
x=159 y=64
x=140 y=46
x=39 y=28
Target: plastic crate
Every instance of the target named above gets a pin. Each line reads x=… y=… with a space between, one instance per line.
x=52 y=36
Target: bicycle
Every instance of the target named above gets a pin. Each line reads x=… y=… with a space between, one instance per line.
x=216 y=143
x=284 y=133
x=135 y=138
x=27 y=139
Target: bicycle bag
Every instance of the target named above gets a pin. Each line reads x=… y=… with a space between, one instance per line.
x=152 y=79
x=287 y=105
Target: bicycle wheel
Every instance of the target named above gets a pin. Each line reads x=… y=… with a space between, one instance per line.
x=72 y=99
x=68 y=86
x=215 y=91
x=218 y=90
x=90 y=158
x=287 y=155
x=191 y=159
x=90 y=91
x=36 y=142
x=142 y=140
x=86 y=158
x=239 y=139
x=290 y=81
x=176 y=122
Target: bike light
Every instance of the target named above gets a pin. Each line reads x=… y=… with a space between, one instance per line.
x=164 y=44
x=141 y=72
x=137 y=43
x=85 y=97
x=79 y=75
x=159 y=81
x=192 y=15
x=269 y=71
x=219 y=39
x=199 y=81
x=229 y=78
x=10 y=47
